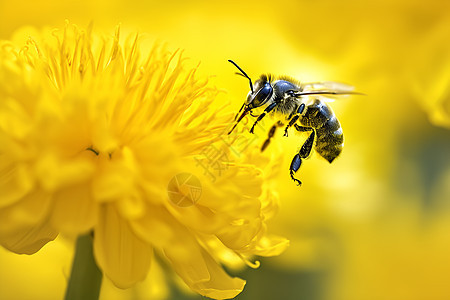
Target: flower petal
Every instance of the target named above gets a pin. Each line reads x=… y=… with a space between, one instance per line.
x=116 y=179
x=54 y=172
x=197 y=268
x=29 y=240
x=15 y=182
x=270 y=245
x=196 y=216
x=122 y=256
x=187 y=260
x=156 y=227
x=239 y=235
x=74 y=211
x=239 y=195
x=220 y=285
x=29 y=211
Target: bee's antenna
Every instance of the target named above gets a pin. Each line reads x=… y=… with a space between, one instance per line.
x=243 y=73
x=239 y=111
x=326 y=93
x=245 y=112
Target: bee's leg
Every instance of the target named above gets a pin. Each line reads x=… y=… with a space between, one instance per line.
x=294 y=118
x=304 y=152
x=271 y=134
x=291 y=122
x=295 y=165
x=302 y=128
x=266 y=111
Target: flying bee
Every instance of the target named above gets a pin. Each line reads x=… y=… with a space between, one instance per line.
x=302 y=106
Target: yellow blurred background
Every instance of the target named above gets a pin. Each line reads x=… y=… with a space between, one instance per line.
x=375 y=224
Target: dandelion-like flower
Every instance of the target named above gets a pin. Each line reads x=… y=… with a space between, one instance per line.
x=92 y=131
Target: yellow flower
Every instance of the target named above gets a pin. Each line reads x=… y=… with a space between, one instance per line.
x=93 y=130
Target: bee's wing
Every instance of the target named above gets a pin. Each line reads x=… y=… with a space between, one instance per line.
x=326 y=90
x=327 y=86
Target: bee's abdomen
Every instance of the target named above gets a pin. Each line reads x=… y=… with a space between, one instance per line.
x=329 y=136
x=330 y=139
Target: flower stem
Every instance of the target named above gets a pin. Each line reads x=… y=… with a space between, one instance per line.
x=86 y=278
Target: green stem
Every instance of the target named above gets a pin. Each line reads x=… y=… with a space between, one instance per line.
x=86 y=278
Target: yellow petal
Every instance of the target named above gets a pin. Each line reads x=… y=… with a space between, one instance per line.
x=116 y=179
x=131 y=207
x=15 y=182
x=29 y=211
x=220 y=285
x=271 y=245
x=196 y=216
x=238 y=236
x=74 y=211
x=197 y=268
x=187 y=260
x=29 y=240
x=122 y=256
x=155 y=227
x=239 y=202
x=55 y=173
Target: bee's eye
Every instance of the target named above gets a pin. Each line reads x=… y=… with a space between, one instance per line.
x=262 y=95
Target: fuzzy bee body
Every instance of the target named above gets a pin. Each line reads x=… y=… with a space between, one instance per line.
x=286 y=104
x=317 y=115
x=301 y=106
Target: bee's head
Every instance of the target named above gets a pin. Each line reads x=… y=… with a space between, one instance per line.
x=258 y=95
x=261 y=93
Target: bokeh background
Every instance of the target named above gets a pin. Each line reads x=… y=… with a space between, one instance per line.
x=375 y=224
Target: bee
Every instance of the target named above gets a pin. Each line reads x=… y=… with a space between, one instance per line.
x=301 y=106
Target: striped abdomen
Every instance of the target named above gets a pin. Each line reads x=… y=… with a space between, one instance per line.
x=329 y=136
